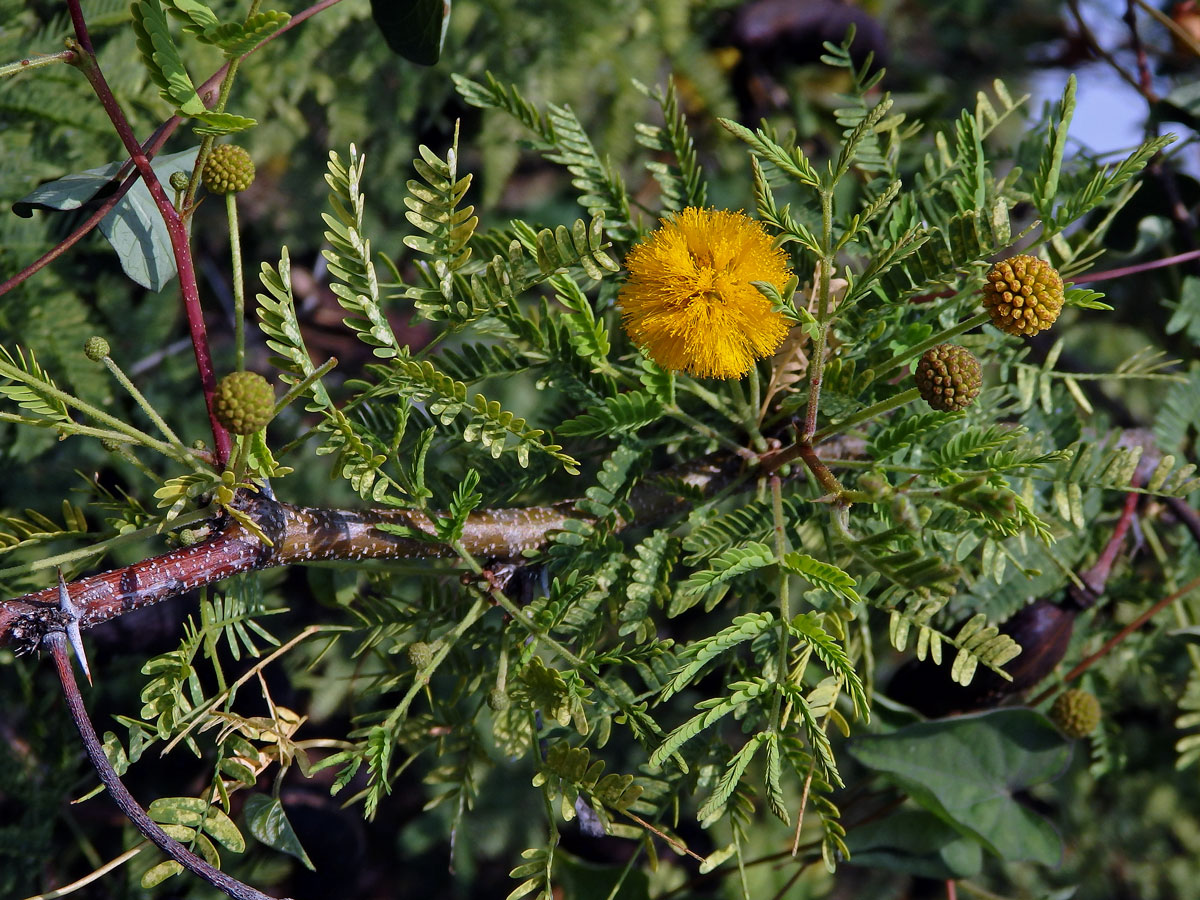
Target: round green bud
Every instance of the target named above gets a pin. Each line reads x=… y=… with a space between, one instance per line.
x=190 y=536
x=1023 y=295
x=497 y=700
x=420 y=654
x=875 y=486
x=179 y=180
x=948 y=377
x=905 y=514
x=244 y=402
x=228 y=170
x=95 y=348
x=1076 y=713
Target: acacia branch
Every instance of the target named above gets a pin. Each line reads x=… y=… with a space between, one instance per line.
x=304 y=534
x=150 y=148
x=141 y=820
x=176 y=230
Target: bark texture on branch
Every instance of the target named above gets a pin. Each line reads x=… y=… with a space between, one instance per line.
x=297 y=534
x=305 y=534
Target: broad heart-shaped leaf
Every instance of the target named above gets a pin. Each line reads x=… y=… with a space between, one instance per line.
x=267 y=821
x=133 y=227
x=965 y=770
x=414 y=29
x=917 y=842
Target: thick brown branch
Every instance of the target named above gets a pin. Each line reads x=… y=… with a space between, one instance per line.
x=304 y=534
x=297 y=535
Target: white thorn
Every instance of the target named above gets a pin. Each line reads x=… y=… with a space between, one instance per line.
x=74 y=636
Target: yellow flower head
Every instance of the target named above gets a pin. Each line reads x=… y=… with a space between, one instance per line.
x=689 y=300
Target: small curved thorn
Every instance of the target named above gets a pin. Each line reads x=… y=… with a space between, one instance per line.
x=74 y=636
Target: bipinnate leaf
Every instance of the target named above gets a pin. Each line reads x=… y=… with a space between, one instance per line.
x=162 y=58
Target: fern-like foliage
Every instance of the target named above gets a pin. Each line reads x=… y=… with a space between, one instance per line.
x=434 y=208
x=349 y=258
x=33 y=527
x=562 y=139
x=622 y=413
x=487 y=422
x=683 y=183
x=700 y=654
x=708 y=612
x=31 y=387
x=281 y=328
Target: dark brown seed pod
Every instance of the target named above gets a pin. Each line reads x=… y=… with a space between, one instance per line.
x=1043 y=629
x=948 y=377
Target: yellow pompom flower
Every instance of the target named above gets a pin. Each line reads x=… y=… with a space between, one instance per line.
x=689 y=301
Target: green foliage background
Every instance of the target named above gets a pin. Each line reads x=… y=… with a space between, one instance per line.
x=668 y=701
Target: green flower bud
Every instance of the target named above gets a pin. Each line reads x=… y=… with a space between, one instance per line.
x=228 y=170
x=95 y=348
x=1076 y=713
x=244 y=402
x=420 y=654
x=875 y=486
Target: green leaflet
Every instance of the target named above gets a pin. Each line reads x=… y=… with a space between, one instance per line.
x=162 y=58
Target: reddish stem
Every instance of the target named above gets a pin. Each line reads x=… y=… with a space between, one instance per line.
x=1139 y=267
x=297 y=535
x=151 y=147
x=175 y=228
x=1145 y=80
x=300 y=535
x=72 y=239
x=141 y=820
x=1129 y=629
x=1096 y=577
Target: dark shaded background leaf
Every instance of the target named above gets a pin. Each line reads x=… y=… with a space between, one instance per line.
x=267 y=821
x=414 y=29
x=917 y=842
x=965 y=771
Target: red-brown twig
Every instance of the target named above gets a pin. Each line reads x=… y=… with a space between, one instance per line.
x=297 y=535
x=150 y=829
x=151 y=147
x=1089 y=661
x=300 y=534
x=1138 y=268
x=176 y=230
x=1096 y=577
x=74 y=237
